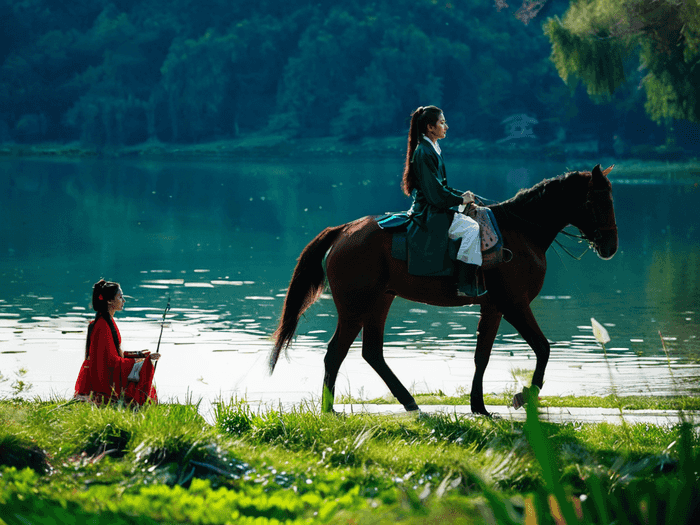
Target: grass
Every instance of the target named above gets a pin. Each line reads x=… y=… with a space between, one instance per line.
x=165 y=464
x=611 y=401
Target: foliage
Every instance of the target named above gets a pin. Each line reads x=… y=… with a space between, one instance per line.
x=165 y=464
x=597 y=40
x=120 y=73
x=19 y=386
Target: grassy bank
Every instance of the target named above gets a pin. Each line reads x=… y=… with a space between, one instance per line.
x=617 y=402
x=75 y=463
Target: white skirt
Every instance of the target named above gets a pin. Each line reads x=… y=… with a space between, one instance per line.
x=467 y=229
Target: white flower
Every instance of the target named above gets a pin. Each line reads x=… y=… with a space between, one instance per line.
x=600 y=333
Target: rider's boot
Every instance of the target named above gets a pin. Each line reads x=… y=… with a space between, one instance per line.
x=469 y=280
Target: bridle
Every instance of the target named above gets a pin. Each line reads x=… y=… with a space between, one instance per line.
x=603 y=221
x=603 y=218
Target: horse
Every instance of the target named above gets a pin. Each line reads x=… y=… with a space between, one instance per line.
x=364 y=279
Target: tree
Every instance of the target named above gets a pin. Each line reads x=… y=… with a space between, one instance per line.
x=598 y=41
x=225 y=79
x=115 y=90
x=332 y=52
x=118 y=72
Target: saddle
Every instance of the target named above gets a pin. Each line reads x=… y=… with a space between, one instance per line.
x=492 y=251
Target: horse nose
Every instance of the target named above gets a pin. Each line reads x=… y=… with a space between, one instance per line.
x=607 y=248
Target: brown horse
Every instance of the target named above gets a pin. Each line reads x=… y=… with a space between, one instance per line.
x=364 y=278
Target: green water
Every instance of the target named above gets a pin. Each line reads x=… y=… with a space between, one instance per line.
x=220 y=239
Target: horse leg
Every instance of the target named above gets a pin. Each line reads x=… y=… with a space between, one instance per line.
x=486 y=334
x=345 y=334
x=373 y=351
x=524 y=322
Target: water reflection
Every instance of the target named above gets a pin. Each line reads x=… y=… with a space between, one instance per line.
x=219 y=240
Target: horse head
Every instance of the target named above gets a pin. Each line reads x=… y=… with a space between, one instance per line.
x=597 y=220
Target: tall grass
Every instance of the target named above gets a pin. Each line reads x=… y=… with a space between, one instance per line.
x=165 y=464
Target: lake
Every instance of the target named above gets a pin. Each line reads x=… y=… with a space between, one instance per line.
x=219 y=239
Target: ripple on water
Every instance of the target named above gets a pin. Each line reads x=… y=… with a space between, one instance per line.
x=235 y=327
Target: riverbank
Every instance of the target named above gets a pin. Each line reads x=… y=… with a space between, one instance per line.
x=165 y=464
x=283 y=146
x=551 y=414
x=232 y=363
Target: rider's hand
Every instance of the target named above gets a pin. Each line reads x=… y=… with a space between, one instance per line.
x=467 y=197
x=154 y=356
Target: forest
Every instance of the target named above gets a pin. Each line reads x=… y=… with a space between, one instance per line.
x=111 y=73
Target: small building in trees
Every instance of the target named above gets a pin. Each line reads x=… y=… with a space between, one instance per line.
x=519 y=126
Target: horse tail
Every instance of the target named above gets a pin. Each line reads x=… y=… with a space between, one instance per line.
x=304 y=289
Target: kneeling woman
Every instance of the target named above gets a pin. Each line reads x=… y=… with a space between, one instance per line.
x=434 y=220
x=107 y=374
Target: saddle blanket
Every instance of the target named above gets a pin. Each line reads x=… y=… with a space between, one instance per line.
x=491 y=239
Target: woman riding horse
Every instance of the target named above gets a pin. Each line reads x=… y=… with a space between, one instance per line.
x=364 y=279
x=433 y=218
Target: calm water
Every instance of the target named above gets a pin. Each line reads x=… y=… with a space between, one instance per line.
x=220 y=240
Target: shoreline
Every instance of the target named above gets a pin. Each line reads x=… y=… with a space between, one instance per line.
x=234 y=365
x=684 y=169
x=282 y=146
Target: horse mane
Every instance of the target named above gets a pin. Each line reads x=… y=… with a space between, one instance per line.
x=528 y=196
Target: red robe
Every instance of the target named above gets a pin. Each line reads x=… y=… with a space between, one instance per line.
x=104 y=373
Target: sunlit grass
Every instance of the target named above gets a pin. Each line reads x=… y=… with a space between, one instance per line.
x=166 y=464
x=628 y=402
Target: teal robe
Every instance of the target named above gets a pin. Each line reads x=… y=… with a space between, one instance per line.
x=429 y=247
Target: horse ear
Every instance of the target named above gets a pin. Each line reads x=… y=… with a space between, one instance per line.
x=608 y=170
x=597 y=171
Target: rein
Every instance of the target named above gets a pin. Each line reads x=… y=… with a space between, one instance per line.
x=580 y=237
x=601 y=225
x=567 y=251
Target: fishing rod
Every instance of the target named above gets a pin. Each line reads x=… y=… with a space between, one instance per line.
x=162 y=323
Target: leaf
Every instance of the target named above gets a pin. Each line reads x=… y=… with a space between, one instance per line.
x=600 y=333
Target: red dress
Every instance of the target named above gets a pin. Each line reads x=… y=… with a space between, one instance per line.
x=104 y=374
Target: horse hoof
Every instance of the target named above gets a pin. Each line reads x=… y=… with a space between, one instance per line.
x=521 y=398
x=518 y=400
x=338 y=414
x=489 y=415
x=415 y=414
x=412 y=407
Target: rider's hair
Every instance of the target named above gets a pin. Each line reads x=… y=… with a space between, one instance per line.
x=420 y=119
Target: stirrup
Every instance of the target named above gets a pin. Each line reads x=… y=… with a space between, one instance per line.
x=471 y=291
x=507 y=255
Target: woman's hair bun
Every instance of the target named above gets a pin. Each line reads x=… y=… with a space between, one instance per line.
x=103 y=292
